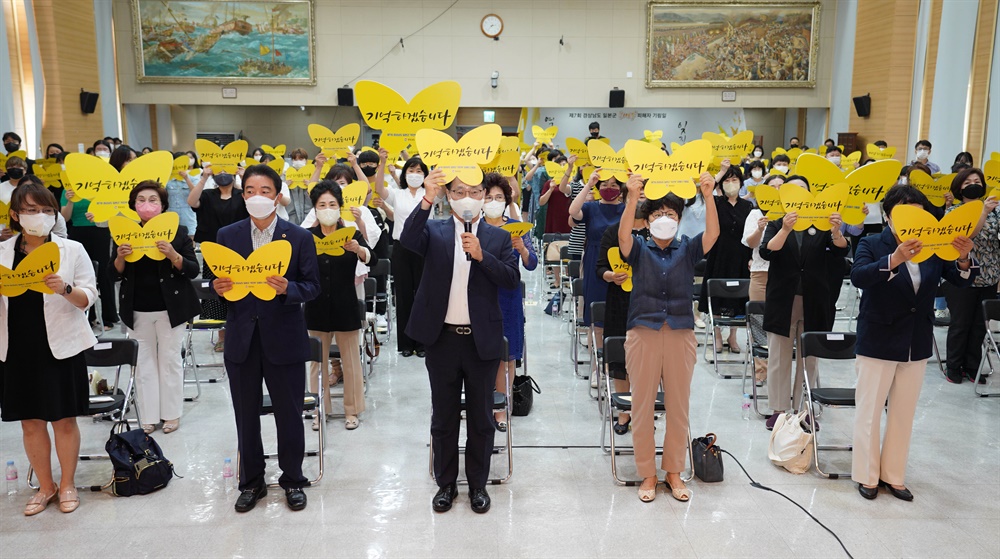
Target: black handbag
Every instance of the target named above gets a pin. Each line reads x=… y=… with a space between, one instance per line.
x=523 y=395
x=707 y=458
x=140 y=467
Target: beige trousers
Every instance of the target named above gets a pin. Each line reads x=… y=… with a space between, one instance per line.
x=782 y=395
x=652 y=357
x=350 y=363
x=900 y=383
x=758 y=286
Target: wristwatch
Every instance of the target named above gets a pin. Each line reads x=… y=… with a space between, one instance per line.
x=68 y=289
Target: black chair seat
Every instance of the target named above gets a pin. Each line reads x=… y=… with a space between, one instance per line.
x=310 y=403
x=834 y=396
x=208 y=324
x=623 y=401
x=759 y=352
x=730 y=321
x=499 y=401
x=104 y=405
x=334 y=351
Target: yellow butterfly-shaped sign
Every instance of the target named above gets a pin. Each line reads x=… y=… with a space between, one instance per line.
x=653 y=137
x=300 y=178
x=371 y=202
x=19 y=153
x=669 y=173
x=333 y=244
x=144 y=238
x=335 y=144
x=674 y=146
x=46 y=161
x=434 y=107
x=277 y=151
x=934 y=189
x=49 y=174
x=277 y=165
x=880 y=154
x=507 y=160
x=579 y=149
x=223 y=160
x=618 y=266
x=4 y=215
x=31 y=272
x=813 y=210
x=354 y=195
x=250 y=274
x=610 y=162
x=92 y=179
x=911 y=222
x=769 y=200
x=518 y=228
x=995 y=155
x=555 y=171
x=734 y=149
x=872 y=180
x=544 y=135
x=991 y=170
x=180 y=166
x=463 y=158
x=848 y=162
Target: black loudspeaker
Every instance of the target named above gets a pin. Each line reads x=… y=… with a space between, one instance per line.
x=345 y=97
x=88 y=101
x=616 y=99
x=863 y=105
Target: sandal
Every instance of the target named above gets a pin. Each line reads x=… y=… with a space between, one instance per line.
x=682 y=494
x=219 y=347
x=38 y=502
x=647 y=495
x=146 y=428
x=315 y=425
x=172 y=425
x=351 y=422
x=69 y=500
x=622 y=428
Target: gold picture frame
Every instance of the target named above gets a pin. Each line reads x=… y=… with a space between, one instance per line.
x=225 y=42
x=713 y=44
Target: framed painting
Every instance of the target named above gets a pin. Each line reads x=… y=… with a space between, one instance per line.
x=732 y=44
x=223 y=42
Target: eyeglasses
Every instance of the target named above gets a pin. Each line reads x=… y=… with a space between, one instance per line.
x=475 y=193
x=658 y=215
x=36 y=211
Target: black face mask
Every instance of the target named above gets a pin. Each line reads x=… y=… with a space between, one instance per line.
x=11 y=147
x=595 y=135
x=15 y=173
x=369 y=171
x=793 y=145
x=973 y=191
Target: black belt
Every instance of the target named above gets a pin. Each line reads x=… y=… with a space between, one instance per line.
x=460 y=330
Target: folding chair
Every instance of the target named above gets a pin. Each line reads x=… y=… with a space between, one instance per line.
x=577 y=326
x=614 y=352
x=571 y=271
x=203 y=289
x=114 y=352
x=756 y=347
x=597 y=354
x=725 y=289
x=991 y=312
x=552 y=243
x=365 y=369
x=500 y=402
x=827 y=345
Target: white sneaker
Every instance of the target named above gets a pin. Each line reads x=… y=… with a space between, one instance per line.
x=381 y=325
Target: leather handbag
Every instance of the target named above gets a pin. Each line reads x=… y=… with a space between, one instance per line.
x=523 y=395
x=791 y=444
x=707 y=458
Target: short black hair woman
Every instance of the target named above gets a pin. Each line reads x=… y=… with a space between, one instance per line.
x=895 y=333
x=43 y=374
x=155 y=301
x=660 y=346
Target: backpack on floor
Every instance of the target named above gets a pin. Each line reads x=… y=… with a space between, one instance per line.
x=140 y=467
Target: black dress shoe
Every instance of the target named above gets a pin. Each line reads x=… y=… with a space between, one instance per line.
x=296 y=498
x=444 y=497
x=622 y=428
x=407 y=352
x=248 y=498
x=480 y=500
x=867 y=492
x=954 y=377
x=421 y=353
x=903 y=494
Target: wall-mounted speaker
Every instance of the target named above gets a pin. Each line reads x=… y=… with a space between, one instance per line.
x=345 y=97
x=616 y=99
x=88 y=101
x=863 y=105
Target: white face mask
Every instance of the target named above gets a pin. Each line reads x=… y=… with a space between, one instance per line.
x=260 y=206
x=467 y=208
x=922 y=154
x=102 y=154
x=756 y=173
x=835 y=159
x=757 y=153
x=493 y=209
x=192 y=161
x=328 y=216
x=663 y=228
x=38 y=225
x=257 y=157
x=414 y=180
x=783 y=169
x=731 y=189
x=532 y=161
x=298 y=163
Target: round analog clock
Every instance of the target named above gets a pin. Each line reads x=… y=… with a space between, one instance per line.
x=491 y=25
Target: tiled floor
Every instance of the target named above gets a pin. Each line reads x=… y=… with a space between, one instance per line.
x=374 y=499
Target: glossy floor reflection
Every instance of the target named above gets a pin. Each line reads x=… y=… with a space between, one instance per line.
x=374 y=500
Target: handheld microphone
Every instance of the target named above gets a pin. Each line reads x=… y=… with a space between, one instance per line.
x=467 y=217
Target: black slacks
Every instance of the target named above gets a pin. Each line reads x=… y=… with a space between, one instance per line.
x=452 y=361
x=967 y=328
x=407 y=267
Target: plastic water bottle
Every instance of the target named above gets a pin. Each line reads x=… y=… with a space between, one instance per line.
x=227 y=474
x=11 y=476
x=746 y=407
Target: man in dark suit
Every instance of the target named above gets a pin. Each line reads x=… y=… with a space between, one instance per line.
x=456 y=316
x=268 y=341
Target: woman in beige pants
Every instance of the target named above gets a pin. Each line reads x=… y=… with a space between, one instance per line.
x=660 y=344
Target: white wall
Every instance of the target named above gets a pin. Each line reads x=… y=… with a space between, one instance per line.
x=841 y=103
x=951 y=81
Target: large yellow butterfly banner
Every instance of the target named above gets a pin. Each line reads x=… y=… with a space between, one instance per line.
x=91 y=178
x=250 y=274
x=911 y=222
x=434 y=107
x=31 y=272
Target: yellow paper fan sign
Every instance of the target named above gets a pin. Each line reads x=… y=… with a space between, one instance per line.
x=669 y=173
x=618 y=266
x=354 y=195
x=144 y=238
x=4 y=216
x=653 y=137
x=991 y=171
x=48 y=174
x=518 y=228
x=333 y=244
x=733 y=149
x=813 y=210
x=867 y=184
x=250 y=274
x=555 y=171
x=434 y=107
x=507 y=160
x=19 y=153
x=933 y=188
x=769 y=200
x=880 y=154
x=579 y=149
x=335 y=144
x=91 y=178
x=848 y=162
x=544 y=135
x=277 y=151
x=300 y=178
x=223 y=160
x=610 y=162
x=181 y=164
x=911 y=222
x=463 y=158
x=31 y=272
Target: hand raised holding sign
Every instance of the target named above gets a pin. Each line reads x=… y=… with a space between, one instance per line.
x=433 y=185
x=905 y=252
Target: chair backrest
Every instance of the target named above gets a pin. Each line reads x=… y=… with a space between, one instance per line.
x=755 y=307
x=381 y=268
x=578 y=287
x=573 y=268
x=731 y=288
x=614 y=350
x=524 y=290
x=364 y=310
x=991 y=309
x=113 y=352
x=828 y=345
x=597 y=311
x=203 y=289
x=549 y=238
x=371 y=286
x=315 y=350
x=564 y=252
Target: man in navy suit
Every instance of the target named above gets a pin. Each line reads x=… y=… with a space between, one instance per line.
x=456 y=316
x=267 y=340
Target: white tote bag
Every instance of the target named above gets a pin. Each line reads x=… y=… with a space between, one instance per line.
x=791 y=445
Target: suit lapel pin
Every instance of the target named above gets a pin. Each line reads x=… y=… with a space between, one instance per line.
x=283 y=235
